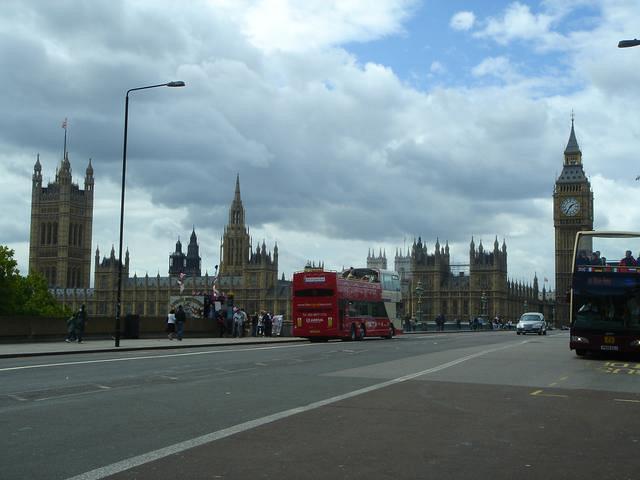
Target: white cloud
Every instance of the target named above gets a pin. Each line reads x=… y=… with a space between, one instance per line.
x=294 y=26
x=462 y=21
x=519 y=23
x=437 y=68
x=495 y=66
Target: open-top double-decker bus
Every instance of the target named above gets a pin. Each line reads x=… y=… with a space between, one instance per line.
x=605 y=293
x=353 y=304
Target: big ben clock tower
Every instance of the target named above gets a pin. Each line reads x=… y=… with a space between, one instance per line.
x=572 y=212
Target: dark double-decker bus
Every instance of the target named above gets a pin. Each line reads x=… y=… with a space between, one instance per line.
x=350 y=305
x=605 y=293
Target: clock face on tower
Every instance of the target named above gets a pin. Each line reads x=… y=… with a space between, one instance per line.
x=570 y=207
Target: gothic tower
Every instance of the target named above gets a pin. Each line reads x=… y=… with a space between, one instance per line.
x=572 y=212
x=61 y=227
x=193 y=256
x=377 y=262
x=235 y=247
x=177 y=260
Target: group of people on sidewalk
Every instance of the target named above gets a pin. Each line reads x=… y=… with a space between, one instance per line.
x=235 y=323
x=262 y=324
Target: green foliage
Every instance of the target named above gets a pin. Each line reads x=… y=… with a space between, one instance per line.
x=24 y=295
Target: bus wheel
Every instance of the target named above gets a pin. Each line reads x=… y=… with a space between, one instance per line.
x=580 y=352
x=392 y=332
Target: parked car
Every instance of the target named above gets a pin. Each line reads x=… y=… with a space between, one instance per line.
x=531 y=322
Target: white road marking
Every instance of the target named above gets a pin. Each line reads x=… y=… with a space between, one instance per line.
x=132 y=462
x=150 y=357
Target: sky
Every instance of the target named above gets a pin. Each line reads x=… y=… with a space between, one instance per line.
x=353 y=125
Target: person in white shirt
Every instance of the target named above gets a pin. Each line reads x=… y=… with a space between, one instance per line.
x=171 y=324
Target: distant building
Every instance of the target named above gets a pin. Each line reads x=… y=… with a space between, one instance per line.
x=448 y=289
x=251 y=277
x=377 y=262
x=61 y=226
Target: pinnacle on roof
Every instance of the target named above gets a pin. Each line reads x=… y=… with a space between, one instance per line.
x=237 y=192
x=572 y=145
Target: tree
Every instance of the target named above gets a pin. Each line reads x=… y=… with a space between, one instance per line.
x=9 y=275
x=24 y=295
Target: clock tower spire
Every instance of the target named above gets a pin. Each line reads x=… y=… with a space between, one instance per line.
x=572 y=212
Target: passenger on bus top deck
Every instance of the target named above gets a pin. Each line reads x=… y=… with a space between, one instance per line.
x=595 y=258
x=583 y=258
x=351 y=273
x=628 y=260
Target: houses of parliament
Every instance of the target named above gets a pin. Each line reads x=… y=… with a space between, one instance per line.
x=60 y=249
x=61 y=236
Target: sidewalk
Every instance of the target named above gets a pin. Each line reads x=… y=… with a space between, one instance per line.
x=15 y=350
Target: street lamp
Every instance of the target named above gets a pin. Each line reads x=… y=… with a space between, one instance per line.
x=628 y=43
x=419 y=292
x=124 y=171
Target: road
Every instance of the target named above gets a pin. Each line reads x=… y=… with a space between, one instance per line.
x=453 y=405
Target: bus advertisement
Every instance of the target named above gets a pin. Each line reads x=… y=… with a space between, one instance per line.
x=605 y=293
x=351 y=305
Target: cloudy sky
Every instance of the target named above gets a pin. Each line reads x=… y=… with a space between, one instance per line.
x=352 y=124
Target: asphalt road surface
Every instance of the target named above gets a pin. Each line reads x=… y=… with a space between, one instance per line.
x=454 y=405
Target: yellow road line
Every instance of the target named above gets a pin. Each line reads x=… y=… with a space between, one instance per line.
x=626 y=400
x=538 y=393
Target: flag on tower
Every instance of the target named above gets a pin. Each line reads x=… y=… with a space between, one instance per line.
x=181 y=282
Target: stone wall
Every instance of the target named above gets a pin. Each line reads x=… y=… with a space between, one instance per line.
x=25 y=328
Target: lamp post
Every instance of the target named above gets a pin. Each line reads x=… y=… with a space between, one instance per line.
x=124 y=171
x=628 y=43
x=419 y=292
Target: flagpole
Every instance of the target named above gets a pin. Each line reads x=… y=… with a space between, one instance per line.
x=64 y=150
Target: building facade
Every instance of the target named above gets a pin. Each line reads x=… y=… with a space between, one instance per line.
x=431 y=285
x=61 y=227
x=250 y=277
x=572 y=212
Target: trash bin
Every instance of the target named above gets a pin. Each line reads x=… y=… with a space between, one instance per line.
x=131 y=326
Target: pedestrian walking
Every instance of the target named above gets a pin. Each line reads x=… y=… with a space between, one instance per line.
x=171 y=324
x=261 y=323
x=81 y=321
x=268 y=325
x=237 y=323
x=181 y=317
x=254 y=324
x=71 y=328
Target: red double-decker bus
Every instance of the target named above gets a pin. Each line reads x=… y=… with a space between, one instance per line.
x=348 y=305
